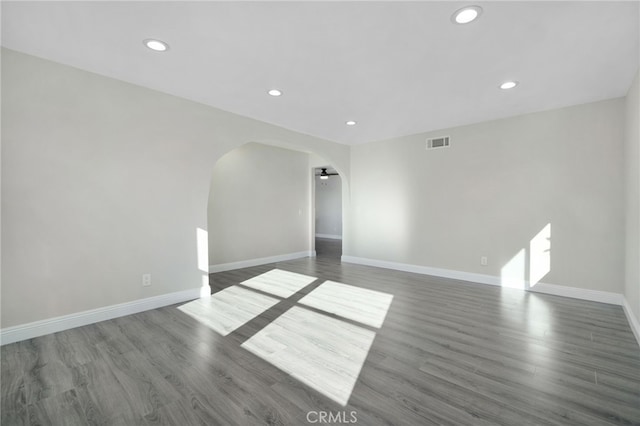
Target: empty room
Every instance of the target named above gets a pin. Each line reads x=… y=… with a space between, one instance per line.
x=300 y=213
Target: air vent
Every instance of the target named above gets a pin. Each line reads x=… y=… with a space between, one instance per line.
x=441 y=142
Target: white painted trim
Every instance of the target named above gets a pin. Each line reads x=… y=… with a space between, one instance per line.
x=260 y=261
x=329 y=236
x=633 y=320
x=65 y=322
x=425 y=270
x=558 y=290
x=578 y=293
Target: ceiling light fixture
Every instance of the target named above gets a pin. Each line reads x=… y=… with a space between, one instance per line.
x=508 y=85
x=157 y=45
x=325 y=175
x=274 y=92
x=466 y=15
x=350 y=123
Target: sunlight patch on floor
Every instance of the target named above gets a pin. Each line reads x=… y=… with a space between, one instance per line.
x=324 y=353
x=279 y=283
x=355 y=303
x=228 y=309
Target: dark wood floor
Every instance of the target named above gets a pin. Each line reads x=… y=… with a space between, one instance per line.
x=449 y=352
x=328 y=249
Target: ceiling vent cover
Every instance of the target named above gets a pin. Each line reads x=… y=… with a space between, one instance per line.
x=441 y=142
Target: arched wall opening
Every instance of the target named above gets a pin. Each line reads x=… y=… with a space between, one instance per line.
x=140 y=211
x=261 y=205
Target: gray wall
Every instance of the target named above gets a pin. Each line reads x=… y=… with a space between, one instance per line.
x=259 y=204
x=632 y=193
x=329 y=206
x=489 y=194
x=103 y=181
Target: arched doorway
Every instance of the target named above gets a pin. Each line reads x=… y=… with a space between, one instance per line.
x=261 y=206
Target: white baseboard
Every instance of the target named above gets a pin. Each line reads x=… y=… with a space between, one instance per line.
x=66 y=322
x=579 y=293
x=633 y=319
x=260 y=261
x=329 y=236
x=558 y=290
x=425 y=270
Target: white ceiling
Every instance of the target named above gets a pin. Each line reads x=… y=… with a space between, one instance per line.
x=396 y=68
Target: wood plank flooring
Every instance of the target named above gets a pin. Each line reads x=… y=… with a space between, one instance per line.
x=447 y=352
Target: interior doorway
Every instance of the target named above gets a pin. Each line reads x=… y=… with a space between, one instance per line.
x=328 y=212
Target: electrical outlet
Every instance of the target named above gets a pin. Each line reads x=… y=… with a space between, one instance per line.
x=146 y=280
x=484 y=261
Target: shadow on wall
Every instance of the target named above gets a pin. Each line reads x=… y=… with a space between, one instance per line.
x=527 y=267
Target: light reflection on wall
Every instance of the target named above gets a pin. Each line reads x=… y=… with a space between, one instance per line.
x=536 y=259
x=202 y=255
x=540 y=255
x=202 y=241
x=512 y=274
x=526 y=312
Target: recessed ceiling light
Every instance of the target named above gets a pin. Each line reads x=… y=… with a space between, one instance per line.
x=157 y=45
x=508 y=85
x=466 y=14
x=274 y=92
x=350 y=123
